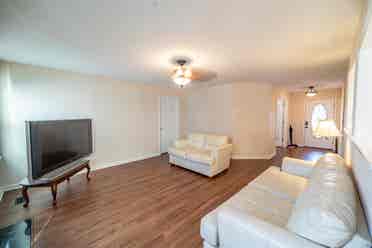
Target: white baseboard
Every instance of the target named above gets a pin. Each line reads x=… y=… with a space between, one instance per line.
x=124 y=162
x=267 y=157
x=6 y=188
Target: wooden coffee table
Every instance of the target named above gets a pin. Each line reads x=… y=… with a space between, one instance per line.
x=26 y=183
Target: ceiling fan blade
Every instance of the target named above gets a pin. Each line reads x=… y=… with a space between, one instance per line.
x=202 y=75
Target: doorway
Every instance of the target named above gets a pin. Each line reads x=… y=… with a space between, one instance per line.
x=169 y=121
x=281 y=123
x=316 y=111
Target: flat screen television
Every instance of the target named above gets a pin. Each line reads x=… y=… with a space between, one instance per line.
x=53 y=144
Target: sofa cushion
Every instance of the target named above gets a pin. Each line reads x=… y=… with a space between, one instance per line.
x=281 y=184
x=331 y=159
x=197 y=140
x=181 y=143
x=297 y=167
x=328 y=165
x=326 y=211
x=259 y=203
x=256 y=202
x=361 y=237
x=199 y=155
x=213 y=141
x=180 y=151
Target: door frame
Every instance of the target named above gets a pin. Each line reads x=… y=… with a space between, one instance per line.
x=283 y=140
x=308 y=112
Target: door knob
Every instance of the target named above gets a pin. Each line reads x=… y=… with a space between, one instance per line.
x=306 y=124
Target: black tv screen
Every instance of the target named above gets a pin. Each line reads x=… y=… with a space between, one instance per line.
x=53 y=144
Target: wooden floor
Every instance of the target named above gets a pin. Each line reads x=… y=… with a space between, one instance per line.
x=144 y=204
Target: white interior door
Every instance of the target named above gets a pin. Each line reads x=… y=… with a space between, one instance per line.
x=279 y=127
x=169 y=121
x=315 y=111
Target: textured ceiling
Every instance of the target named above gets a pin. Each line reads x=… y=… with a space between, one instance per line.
x=243 y=40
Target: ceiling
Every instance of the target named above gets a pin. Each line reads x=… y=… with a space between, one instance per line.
x=284 y=42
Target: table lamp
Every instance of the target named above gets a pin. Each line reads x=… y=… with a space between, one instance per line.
x=327 y=128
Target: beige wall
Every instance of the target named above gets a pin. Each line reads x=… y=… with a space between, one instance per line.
x=253 y=134
x=125 y=116
x=241 y=110
x=297 y=110
x=210 y=110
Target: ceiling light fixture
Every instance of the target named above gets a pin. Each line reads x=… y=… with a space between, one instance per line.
x=182 y=74
x=311 y=91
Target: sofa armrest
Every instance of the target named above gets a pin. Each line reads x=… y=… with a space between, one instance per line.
x=297 y=167
x=238 y=229
x=180 y=143
x=221 y=148
x=222 y=155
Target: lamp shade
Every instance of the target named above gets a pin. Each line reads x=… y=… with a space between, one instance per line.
x=327 y=128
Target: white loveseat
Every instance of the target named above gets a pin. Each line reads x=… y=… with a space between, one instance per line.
x=303 y=204
x=202 y=153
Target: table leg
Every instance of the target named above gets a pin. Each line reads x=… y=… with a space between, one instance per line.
x=25 y=196
x=88 y=172
x=53 y=187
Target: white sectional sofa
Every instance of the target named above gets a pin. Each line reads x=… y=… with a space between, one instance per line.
x=303 y=204
x=202 y=153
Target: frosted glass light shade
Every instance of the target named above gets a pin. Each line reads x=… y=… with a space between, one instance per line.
x=311 y=91
x=182 y=81
x=182 y=76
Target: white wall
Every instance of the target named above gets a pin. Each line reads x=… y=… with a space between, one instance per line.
x=125 y=116
x=358 y=120
x=9 y=147
x=362 y=131
x=243 y=111
x=358 y=111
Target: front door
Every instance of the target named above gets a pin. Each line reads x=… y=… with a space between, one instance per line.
x=316 y=111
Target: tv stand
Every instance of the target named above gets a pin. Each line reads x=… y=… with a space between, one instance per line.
x=53 y=183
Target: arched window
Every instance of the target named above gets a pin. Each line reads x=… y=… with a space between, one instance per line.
x=319 y=114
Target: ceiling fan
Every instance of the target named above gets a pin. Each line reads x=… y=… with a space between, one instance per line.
x=183 y=74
